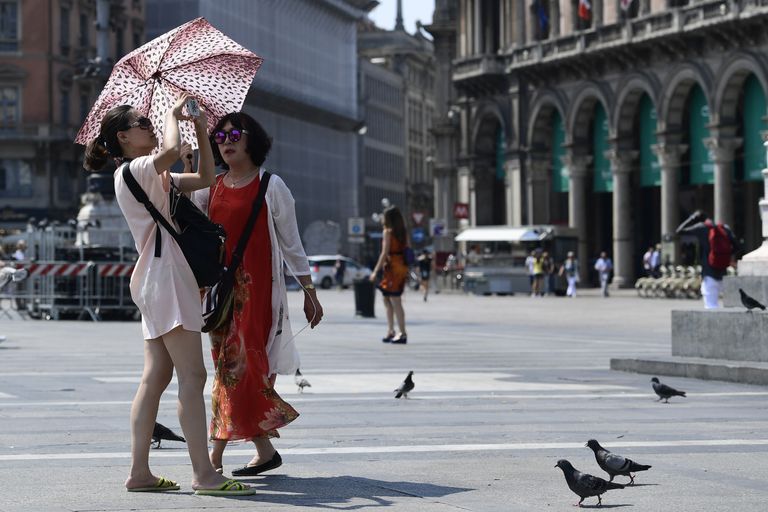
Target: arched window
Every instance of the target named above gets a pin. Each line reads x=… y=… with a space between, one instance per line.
x=541 y=17
x=582 y=14
x=490 y=23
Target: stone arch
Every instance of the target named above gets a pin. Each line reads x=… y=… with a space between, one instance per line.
x=629 y=93
x=583 y=104
x=544 y=104
x=488 y=188
x=487 y=115
x=675 y=93
x=730 y=81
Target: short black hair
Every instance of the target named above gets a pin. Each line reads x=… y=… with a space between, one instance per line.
x=259 y=142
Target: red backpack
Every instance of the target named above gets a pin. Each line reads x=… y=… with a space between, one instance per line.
x=720 y=246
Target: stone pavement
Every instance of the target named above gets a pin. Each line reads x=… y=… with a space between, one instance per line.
x=505 y=386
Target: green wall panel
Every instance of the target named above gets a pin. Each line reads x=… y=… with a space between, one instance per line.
x=650 y=169
x=754 y=124
x=603 y=179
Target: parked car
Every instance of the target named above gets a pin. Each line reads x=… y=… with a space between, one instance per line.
x=323 y=271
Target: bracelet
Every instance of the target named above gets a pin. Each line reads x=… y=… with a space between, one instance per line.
x=309 y=286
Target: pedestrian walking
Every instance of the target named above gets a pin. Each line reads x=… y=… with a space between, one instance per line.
x=570 y=269
x=656 y=261
x=647 y=265
x=538 y=274
x=257 y=343
x=339 y=268
x=604 y=267
x=394 y=270
x=163 y=287
x=529 y=261
x=549 y=273
x=717 y=250
x=425 y=270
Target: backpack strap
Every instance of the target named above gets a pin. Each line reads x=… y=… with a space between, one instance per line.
x=142 y=197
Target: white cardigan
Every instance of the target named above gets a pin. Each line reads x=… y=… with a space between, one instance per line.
x=286 y=249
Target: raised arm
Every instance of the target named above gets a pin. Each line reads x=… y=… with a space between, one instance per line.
x=206 y=170
x=171 y=149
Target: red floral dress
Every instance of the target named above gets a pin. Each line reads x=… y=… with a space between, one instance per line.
x=244 y=401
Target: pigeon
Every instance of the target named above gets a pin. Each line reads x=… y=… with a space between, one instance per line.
x=614 y=464
x=665 y=392
x=406 y=387
x=583 y=484
x=749 y=302
x=301 y=381
x=161 y=432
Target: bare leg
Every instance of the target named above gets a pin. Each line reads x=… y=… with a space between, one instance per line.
x=390 y=315
x=425 y=285
x=397 y=305
x=217 y=453
x=158 y=370
x=186 y=352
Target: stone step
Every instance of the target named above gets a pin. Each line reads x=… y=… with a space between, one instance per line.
x=743 y=372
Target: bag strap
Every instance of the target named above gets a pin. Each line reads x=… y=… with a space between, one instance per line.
x=142 y=197
x=237 y=255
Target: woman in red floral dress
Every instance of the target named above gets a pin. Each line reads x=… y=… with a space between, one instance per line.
x=256 y=344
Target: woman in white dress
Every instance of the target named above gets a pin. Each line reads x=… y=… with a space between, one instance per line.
x=164 y=289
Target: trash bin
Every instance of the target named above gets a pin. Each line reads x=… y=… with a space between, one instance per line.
x=365 y=296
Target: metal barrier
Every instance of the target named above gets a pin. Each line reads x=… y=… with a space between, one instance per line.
x=57 y=289
x=674 y=282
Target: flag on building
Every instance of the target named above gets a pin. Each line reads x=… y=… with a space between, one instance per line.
x=541 y=15
x=626 y=3
x=585 y=9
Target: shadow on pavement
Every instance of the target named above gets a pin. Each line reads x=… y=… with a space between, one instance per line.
x=339 y=492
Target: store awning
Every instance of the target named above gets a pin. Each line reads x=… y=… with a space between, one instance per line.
x=502 y=234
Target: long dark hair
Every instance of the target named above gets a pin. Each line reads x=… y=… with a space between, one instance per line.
x=106 y=145
x=259 y=142
x=393 y=219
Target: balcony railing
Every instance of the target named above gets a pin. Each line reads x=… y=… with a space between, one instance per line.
x=477 y=66
x=695 y=16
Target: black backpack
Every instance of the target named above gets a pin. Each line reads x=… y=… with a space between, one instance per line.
x=201 y=240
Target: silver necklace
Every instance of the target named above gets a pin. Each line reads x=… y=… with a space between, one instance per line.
x=233 y=183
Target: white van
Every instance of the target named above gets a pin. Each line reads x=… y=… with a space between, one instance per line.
x=323 y=271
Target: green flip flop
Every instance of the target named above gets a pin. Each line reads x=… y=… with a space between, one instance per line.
x=162 y=485
x=228 y=488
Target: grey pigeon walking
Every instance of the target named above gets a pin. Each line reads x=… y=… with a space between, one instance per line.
x=665 y=392
x=300 y=381
x=161 y=432
x=406 y=387
x=585 y=485
x=749 y=302
x=615 y=464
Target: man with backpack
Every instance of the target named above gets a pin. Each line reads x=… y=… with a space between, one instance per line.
x=717 y=249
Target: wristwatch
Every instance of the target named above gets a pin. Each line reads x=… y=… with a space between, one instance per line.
x=309 y=286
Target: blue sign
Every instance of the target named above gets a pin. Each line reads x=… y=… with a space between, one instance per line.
x=417 y=235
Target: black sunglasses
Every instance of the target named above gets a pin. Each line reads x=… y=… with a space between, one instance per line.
x=220 y=137
x=143 y=123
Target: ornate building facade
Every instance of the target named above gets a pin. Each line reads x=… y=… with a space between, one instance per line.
x=48 y=82
x=398 y=100
x=618 y=120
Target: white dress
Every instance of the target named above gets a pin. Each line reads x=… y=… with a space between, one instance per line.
x=164 y=289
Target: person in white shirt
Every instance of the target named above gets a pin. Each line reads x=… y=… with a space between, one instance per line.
x=604 y=266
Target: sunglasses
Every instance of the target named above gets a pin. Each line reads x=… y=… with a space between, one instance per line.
x=143 y=123
x=220 y=137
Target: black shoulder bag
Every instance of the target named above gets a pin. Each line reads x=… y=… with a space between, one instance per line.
x=218 y=301
x=201 y=240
